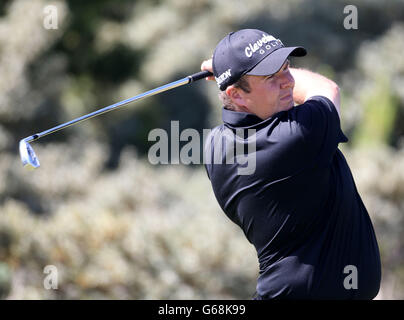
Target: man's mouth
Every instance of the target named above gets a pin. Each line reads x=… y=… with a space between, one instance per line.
x=286 y=97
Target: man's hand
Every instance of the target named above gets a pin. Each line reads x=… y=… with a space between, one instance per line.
x=207 y=65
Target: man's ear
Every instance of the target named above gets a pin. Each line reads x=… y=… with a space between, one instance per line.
x=236 y=96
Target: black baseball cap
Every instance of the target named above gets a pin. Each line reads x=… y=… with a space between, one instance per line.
x=252 y=52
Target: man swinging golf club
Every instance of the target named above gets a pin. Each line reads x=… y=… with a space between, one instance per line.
x=300 y=207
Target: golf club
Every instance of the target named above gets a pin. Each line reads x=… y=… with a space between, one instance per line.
x=27 y=154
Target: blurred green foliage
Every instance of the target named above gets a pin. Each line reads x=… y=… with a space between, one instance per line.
x=379 y=115
x=117 y=227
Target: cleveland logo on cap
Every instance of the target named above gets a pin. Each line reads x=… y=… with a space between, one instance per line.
x=251 y=48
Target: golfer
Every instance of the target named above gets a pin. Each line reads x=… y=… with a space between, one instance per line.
x=300 y=207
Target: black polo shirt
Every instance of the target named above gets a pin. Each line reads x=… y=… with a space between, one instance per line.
x=300 y=207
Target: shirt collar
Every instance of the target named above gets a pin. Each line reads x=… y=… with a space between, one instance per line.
x=239 y=119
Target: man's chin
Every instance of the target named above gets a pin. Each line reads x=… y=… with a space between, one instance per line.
x=288 y=107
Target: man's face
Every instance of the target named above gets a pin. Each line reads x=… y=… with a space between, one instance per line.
x=269 y=94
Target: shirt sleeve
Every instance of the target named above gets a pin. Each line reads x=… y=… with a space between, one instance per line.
x=318 y=124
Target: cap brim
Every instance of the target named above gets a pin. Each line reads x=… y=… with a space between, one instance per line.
x=273 y=62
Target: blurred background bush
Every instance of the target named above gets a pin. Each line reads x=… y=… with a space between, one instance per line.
x=116 y=226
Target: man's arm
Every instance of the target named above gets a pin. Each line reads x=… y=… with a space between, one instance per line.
x=309 y=84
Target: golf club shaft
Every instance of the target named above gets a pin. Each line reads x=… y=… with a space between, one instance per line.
x=171 y=85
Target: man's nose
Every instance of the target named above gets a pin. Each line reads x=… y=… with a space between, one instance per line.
x=287 y=81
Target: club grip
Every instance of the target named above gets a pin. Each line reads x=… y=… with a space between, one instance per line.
x=199 y=75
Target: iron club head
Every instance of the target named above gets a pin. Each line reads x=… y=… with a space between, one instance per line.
x=28 y=157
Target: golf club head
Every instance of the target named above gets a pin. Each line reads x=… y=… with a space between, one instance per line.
x=28 y=157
